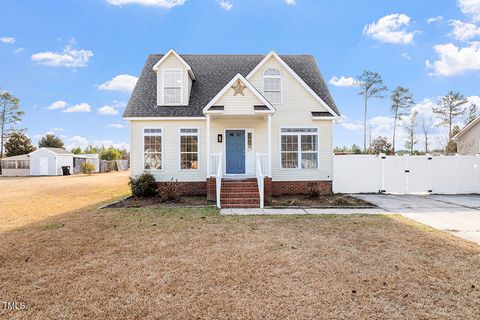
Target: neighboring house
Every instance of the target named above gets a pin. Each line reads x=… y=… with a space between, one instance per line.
x=16 y=166
x=207 y=119
x=468 y=139
x=49 y=161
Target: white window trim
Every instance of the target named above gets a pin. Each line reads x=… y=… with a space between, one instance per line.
x=299 y=147
x=162 y=149
x=181 y=86
x=180 y=134
x=273 y=77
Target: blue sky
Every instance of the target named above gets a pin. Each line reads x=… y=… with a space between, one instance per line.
x=67 y=51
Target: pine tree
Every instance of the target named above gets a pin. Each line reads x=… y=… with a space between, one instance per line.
x=9 y=115
x=402 y=101
x=411 y=129
x=472 y=114
x=450 y=107
x=372 y=86
x=50 y=141
x=17 y=144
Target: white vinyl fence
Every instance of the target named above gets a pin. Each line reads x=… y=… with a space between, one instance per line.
x=406 y=174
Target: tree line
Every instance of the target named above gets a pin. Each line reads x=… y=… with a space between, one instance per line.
x=448 y=108
x=14 y=141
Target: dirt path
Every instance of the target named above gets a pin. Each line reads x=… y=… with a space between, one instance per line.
x=24 y=200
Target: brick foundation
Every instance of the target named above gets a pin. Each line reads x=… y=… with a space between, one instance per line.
x=211 y=189
x=271 y=188
x=296 y=187
x=192 y=188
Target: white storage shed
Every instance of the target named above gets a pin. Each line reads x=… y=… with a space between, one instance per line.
x=49 y=162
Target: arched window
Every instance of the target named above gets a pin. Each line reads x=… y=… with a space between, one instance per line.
x=272 y=85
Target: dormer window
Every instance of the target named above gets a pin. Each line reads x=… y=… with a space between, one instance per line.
x=272 y=85
x=172 y=86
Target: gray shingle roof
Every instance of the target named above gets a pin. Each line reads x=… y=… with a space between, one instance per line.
x=320 y=114
x=212 y=73
x=59 y=150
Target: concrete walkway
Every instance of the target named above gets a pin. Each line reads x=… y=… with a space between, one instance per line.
x=258 y=211
x=457 y=214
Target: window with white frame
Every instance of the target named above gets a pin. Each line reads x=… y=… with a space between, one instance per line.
x=172 y=86
x=23 y=164
x=189 y=148
x=9 y=164
x=272 y=85
x=299 y=148
x=152 y=148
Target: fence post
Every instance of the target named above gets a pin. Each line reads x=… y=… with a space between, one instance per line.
x=430 y=173
x=383 y=157
x=406 y=171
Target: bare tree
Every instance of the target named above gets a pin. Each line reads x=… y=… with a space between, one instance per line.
x=411 y=126
x=402 y=100
x=372 y=86
x=426 y=123
x=9 y=115
x=472 y=114
x=448 y=108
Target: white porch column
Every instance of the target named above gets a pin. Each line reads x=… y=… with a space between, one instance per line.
x=269 y=135
x=208 y=146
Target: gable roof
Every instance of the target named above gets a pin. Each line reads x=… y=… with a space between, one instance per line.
x=166 y=55
x=466 y=128
x=247 y=83
x=213 y=73
x=54 y=150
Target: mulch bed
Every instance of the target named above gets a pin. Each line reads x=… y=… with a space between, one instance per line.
x=185 y=201
x=326 y=201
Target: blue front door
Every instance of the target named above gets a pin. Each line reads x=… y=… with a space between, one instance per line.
x=235 y=149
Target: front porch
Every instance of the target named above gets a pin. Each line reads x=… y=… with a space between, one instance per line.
x=239 y=148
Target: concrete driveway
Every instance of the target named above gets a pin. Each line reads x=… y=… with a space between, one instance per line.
x=457 y=214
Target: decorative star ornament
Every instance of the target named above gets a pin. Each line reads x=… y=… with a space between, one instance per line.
x=238 y=87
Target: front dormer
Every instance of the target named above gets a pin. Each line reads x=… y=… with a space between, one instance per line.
x=174 y=80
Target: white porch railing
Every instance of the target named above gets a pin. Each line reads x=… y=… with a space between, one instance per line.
x=218 y=179
x=262 y=159
x=214 y=162
x=262 y=165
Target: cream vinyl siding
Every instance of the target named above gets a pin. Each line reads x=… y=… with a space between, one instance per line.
x=170 y=149
x=295 y=112
x=241 y=105
x=173 y=63
x=468 y=143
x=257 y=125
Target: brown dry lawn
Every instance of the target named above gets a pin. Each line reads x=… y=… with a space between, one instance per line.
x=158 y=263
x=24 y=200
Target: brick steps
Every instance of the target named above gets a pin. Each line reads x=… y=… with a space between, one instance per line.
x=239 y=193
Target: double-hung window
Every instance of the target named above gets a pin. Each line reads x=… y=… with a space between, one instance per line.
x=172 y=86
x=272 y=85
x=188 y=148
x=152 y=148
x=299 y=148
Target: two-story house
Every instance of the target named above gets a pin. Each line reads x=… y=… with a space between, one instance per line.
x=234 y=127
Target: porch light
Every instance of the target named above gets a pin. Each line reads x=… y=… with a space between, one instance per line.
x=219 y=138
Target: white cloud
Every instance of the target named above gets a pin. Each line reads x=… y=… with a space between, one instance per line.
x=60 y=104
x=53 y=131
x=470 y=8
x=435 y=19
x=81 y=107
x=406 y=56
x=19 y=50
x=107 y=111
x=291 y=2
x=225 y=5
x=342 y=81
x=122 y=82
x=453 y=60
x=116 y=125
x=167 y=4
x=463 y=31
x=9 y=40
x=351 y=125
x=111 y=110
x=474 y=100
x=69 y=58
x=391 y=29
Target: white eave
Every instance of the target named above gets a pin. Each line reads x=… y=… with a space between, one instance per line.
x=166 y=55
